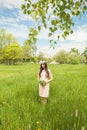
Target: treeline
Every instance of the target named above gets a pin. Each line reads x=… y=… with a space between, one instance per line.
x=64 y=57
x=11 y=52
x=71 y=57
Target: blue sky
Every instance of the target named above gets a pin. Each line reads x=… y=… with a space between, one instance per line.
x=12 y=18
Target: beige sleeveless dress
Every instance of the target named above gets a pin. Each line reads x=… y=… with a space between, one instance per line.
x=44 y=91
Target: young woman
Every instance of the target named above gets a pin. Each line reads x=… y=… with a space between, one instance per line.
x=44 y=78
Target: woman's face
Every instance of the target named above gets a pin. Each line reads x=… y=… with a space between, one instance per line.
x=43 y=66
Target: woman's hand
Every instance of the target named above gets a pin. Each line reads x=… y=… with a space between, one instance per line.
x=47 y=81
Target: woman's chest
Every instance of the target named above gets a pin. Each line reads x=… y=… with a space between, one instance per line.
x=44 y=74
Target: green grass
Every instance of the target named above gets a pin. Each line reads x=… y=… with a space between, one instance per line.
x=20 y=108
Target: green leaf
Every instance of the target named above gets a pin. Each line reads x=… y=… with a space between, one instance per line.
x=50 y=34
x=77 y=4
x=51 y=41
x=47 y=8
x=25 y=11
x=71 y=31
x=64 y=36
x=34 y=5
x=45 y=25
x=29 y=12
x=50 y=29
x=23 y=6
x=55 y=42
x=53 y=22
x=35 y=32
x=54 y=12
x=41 y=12
x=39 y=28
x=58 y=37
x=55 y=29
x=35 y=39
x=28 y=5
x=78 y=13
x=84 y=8
x=33 y=14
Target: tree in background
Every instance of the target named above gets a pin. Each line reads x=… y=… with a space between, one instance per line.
x=6 y=38
x=61 y=57
x=83 y=59
x=12 y=53
x=1 y=55
x=74 y=56
x=26 y=51
x=41 y=56
x=29 y=51
x=85 y=54
x=55 y=15
x=74 y=50
x=29 y=47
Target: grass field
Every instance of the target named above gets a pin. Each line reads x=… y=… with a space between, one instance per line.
x=20 y=108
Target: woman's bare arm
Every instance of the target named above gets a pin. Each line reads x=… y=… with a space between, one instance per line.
x=50 y=76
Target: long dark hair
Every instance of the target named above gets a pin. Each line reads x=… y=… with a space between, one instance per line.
x=46 y=70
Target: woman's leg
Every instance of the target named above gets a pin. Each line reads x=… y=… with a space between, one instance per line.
x=44 y=100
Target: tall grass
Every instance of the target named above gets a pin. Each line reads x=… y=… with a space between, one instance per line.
x=20 y=108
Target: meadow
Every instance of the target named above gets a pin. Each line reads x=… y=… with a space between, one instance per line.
x=20 y=108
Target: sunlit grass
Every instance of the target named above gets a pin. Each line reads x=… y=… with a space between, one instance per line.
x=20 y=108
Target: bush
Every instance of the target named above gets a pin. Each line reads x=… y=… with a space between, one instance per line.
x=73 y=58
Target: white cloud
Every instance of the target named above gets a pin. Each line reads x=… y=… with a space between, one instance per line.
x=44 y=35
x=10 y=4
x=12 y=21
x=79 y=46
x=62 y=46
x=7 y=21
x=19 y=31
x=12 y=25
x=23 y=17
x=80 y=35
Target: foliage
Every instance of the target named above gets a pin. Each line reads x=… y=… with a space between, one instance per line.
x=1 y=55
x=85 y=53
x=29 y=51
x=73 y=58
x=26 y=51
x=74 y=50
x=56 y=15
x=83 y=59
x=61 y=57
x=32 y=39
x=41 y=56
x=6 y=38
x=11 y=53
